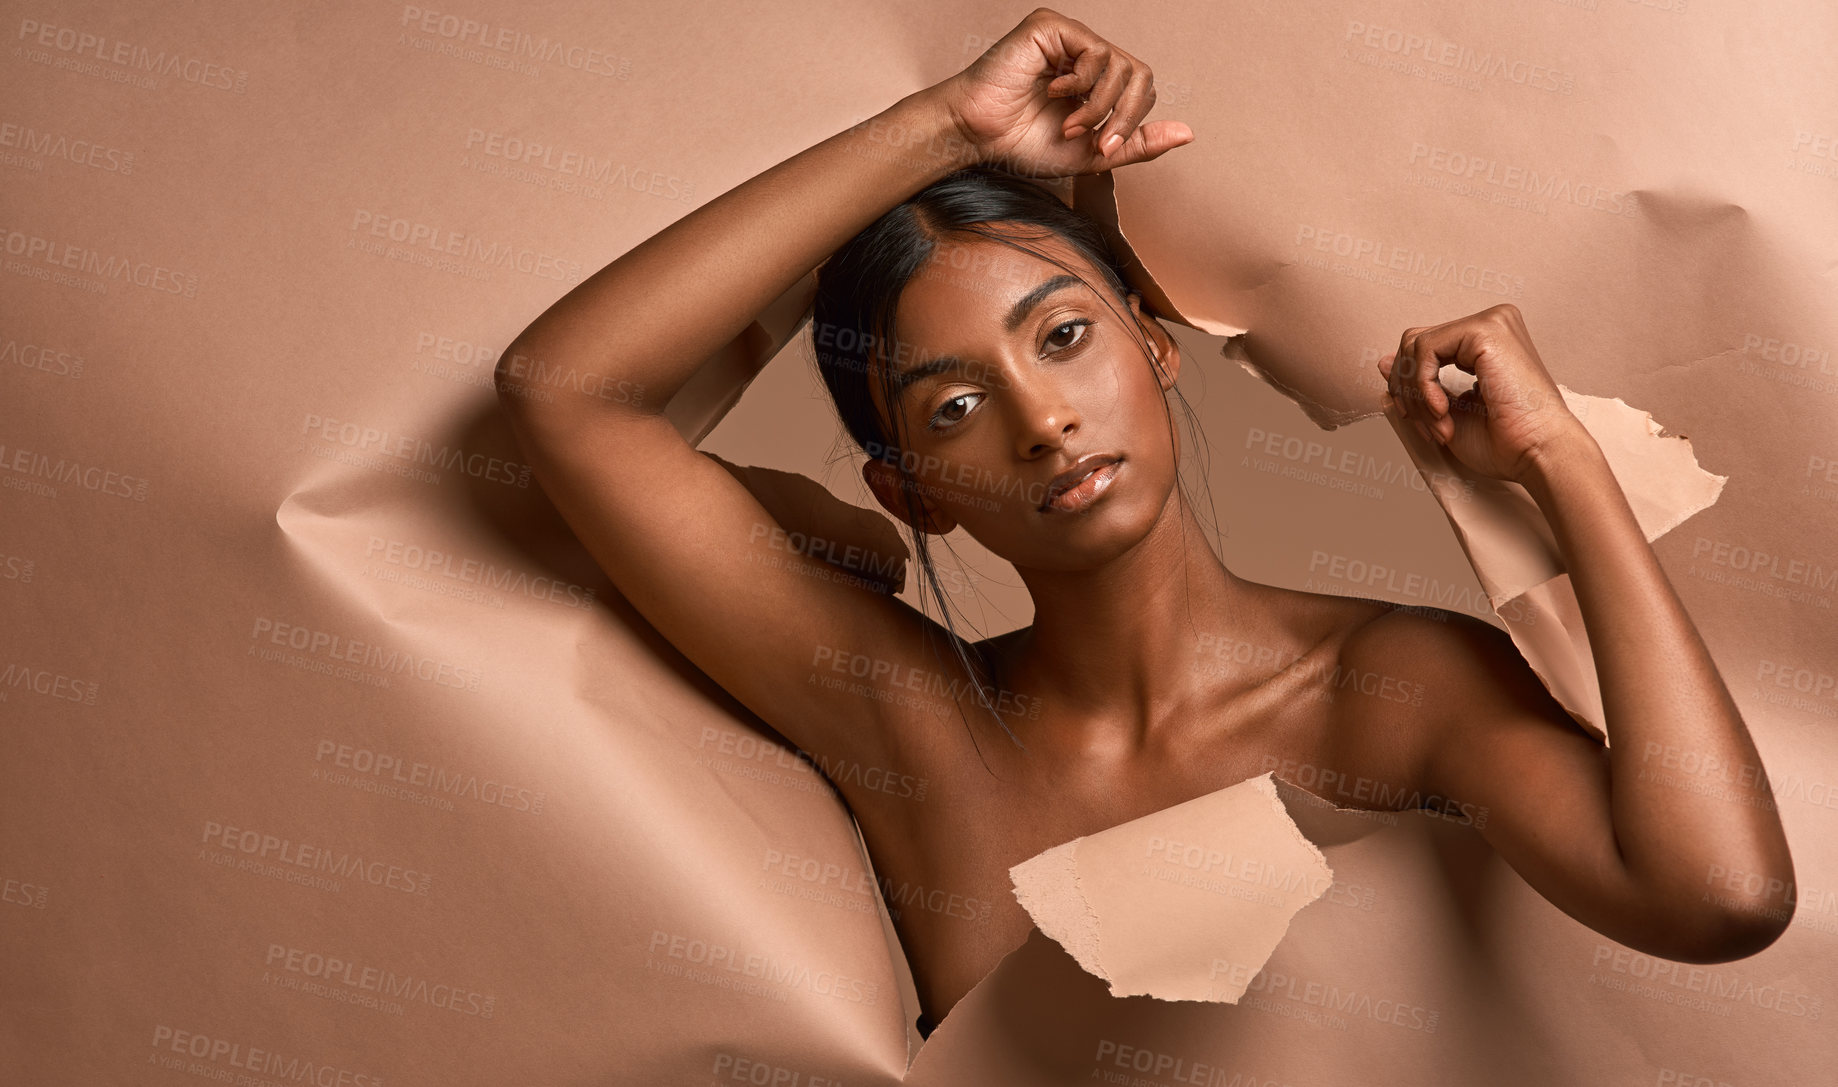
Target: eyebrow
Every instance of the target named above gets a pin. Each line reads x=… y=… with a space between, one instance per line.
x=1017 y=314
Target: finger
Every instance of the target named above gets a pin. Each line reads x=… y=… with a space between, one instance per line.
x=1103 y=94
x=1078 y=56
x=1420 y=388
x=1137 y=99
x=1470 y=405
x=1467 y=421
x=1077 y=72
x=1395 y=370
x=1150 y=141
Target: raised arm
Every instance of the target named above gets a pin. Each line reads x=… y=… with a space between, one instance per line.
x=1668 y=841
x=707 y=300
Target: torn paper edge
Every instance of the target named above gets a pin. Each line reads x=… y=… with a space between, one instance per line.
x=1047 y=886
x=1526 y=536
x=716 y=386
x=1096 y=196
x=1069 y=919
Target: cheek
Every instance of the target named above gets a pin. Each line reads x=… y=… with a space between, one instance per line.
x=1109 y=393
x=1144 y=408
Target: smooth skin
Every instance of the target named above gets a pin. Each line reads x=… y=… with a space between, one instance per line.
x=1122 y=709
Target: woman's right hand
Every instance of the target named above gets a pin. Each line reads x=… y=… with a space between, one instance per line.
x=1030 y=103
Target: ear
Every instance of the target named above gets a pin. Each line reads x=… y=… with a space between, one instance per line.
x=1167 y=352
x=890 y=490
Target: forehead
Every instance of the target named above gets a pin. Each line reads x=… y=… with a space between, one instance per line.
x=969 y=284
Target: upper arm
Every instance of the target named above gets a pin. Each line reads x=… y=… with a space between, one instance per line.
x=1493 y=748
x=699 y=556
x=1497 y=748
x=1504 y=752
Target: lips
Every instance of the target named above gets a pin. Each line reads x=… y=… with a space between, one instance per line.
x=1071 y=477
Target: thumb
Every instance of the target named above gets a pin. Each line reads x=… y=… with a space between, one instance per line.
x=1150 y=141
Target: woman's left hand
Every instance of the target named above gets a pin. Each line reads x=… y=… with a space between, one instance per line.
x=1514 y=414
x=1047 y=100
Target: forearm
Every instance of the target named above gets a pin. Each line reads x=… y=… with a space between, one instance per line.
x=1691 y=804
x=652 y=317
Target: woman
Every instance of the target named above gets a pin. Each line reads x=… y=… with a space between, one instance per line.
x=981 y=347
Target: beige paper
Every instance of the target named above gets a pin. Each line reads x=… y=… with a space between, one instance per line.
x=328 y=754
x=1183 y=904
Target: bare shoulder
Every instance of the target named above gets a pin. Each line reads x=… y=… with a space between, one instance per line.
x=1392 y=681
x=1434 y=685
x=1464 y=664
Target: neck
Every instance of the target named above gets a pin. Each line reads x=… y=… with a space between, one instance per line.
x=1112 y=650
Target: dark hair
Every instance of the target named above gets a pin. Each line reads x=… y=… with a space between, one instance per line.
x=858 y=294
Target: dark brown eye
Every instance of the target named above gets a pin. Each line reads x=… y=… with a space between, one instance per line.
x=944 y=419
x=1064 y=329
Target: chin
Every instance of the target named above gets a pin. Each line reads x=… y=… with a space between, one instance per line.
x=1090 y=539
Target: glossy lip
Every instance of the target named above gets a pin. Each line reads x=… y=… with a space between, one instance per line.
x=1076 y=474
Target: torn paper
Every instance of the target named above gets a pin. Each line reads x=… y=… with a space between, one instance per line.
x=1182 y=904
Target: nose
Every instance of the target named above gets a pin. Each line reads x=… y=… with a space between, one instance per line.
x=1044 y=417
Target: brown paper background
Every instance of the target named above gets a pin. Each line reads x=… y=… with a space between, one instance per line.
x=184 y=290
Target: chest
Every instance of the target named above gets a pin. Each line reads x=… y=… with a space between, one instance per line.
x=942 y=862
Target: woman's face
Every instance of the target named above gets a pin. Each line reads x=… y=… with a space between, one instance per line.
x=1012 y=372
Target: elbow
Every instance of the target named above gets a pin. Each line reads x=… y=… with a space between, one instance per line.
x=1742 y=911
x=527 y=388
x=506 y=377
x=1729 y=929
x=1739 y=938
